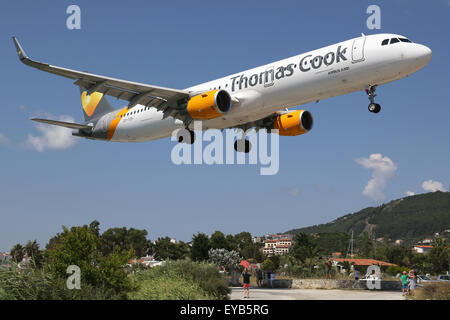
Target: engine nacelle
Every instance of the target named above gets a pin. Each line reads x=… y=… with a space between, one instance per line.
x=209 y=105
x=293 y=123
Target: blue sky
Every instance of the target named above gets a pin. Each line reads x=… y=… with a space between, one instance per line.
x=179 y=44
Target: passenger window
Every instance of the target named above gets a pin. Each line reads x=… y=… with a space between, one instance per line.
x=394 y=40
x=385 y=42
x=404 y=40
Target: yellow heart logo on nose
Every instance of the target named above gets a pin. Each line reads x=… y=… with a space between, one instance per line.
x=90 y=102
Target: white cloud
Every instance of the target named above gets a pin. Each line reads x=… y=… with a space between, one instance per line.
x=3 y=139
x=383 y=170
x=433 y=186
x=52 y=137
x=410 y=193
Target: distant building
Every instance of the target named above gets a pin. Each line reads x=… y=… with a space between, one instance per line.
x=5 y=258
x=398 y=241
x=422 y=248
x=427 y=240
x=257 y=239
x=277 y=245
x=146 y=262
x=336 y=254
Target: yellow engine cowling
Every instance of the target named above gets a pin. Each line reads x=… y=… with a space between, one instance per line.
x=209 y=105
x=293 y=123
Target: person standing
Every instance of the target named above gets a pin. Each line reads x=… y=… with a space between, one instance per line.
x=328 y=269
x=356 y=275
x=272 y=278
x=259 y=277
x=246 y=279
x=412 y=282
x=404 y=280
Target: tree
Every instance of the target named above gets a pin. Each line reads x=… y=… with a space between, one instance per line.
x=95 y=227
x=243 y=239
x=80 y=246
x=125 y=239
x=224 y=258
x=438 y=256
x=268 y=265
x=17 y=252
x=366 y=245
x=33 y=252
x=304 y=248
x=231 y=242
x=218 y=241
x=164 y=249
x=200 y=247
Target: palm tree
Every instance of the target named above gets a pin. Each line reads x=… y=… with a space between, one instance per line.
x=17 y=253
x=32 y=249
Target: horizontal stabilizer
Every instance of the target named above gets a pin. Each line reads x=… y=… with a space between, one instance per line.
x=69 y=125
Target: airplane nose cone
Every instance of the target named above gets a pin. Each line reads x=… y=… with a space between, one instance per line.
x=423 y=54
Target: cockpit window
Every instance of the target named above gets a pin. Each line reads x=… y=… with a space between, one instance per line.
x=394 y=40
x=385 y=42
x=404 y=40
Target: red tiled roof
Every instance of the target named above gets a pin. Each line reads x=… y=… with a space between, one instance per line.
x=364 y=262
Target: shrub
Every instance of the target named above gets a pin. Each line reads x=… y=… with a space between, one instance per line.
x=161 y=284
x=203 y=281
x=433 y=291
x=394 y=270
x=41 y=284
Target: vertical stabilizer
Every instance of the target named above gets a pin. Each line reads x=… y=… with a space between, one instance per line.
x=94 y=105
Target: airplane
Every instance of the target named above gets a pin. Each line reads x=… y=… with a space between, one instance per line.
x=257 y=98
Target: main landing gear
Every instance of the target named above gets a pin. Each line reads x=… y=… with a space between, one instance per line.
x=242 y=146
x=189 y=139
x=373 y=107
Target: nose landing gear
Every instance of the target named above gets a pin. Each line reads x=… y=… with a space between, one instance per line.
x=373 y=107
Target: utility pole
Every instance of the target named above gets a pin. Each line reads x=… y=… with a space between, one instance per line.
x=350 y=246
x=373 y=245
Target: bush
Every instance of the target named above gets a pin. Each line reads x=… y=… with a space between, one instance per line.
x=41 y=284
x=394 y=270
x=433 y=291
x=159 y=284
x=203 y=281
x=81 y=246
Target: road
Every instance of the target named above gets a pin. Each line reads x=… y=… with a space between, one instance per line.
x=314 y=294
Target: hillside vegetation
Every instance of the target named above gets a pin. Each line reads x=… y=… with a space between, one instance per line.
x=411 y=218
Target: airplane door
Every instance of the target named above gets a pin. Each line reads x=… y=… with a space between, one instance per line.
x=358 y=50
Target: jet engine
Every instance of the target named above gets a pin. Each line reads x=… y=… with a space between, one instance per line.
x=293 y=123
x=209 y=105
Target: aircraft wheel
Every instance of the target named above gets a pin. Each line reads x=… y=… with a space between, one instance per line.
x=374 y=107
x=247 y=146
x=191 y=138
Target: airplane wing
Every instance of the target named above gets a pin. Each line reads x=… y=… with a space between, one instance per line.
x=164 y=99
x=69 y=125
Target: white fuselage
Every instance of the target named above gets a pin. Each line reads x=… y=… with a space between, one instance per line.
x=335 y=70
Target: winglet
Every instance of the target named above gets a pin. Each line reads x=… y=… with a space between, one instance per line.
x=22 y=55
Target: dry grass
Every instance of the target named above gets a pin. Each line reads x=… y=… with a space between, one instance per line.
x=433 y=291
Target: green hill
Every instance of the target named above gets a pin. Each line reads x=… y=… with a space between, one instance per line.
x=411 y=218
